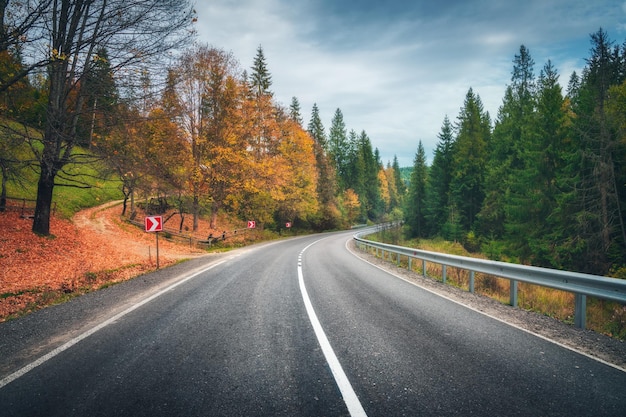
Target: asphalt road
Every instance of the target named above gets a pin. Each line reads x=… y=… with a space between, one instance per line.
x=299 y=327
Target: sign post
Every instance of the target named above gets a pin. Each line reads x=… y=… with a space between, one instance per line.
x=155 y=224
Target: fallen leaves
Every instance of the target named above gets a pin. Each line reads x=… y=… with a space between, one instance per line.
x=97 y=248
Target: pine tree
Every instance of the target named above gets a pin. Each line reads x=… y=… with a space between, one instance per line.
x=591 y=205
x=371 y=200
x=261 y=80
x=316 y=128
x=338 y=148
x=326 y=183
x=400 y=185
x=470 y=155
x=511 y=135
x=544 y=162
x=294 y=111
x=415 y=209
x=102 y=98
x=438 y=187
x=355 y=172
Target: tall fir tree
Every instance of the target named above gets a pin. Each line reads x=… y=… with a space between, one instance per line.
x=591 y=206
x=294 y=111
x=326 y=183
x=371 y=200
x=438 y=187
x=261 y=79
x=316 y=128
x=355 y=172
x=511 y=135
x=338 y=148
x=544 y=161
x=415 y=208
x=467 y=182
x=397 y=173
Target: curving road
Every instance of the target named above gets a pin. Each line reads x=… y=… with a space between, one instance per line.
x=299 y=327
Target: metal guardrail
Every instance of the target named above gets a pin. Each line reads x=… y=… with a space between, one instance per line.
x=582 y=285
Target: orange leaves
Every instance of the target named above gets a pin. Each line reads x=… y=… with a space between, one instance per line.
x=95 y=249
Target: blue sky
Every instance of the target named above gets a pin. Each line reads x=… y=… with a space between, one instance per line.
x=397 y=68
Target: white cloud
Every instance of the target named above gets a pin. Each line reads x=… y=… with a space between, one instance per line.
x=396 y=70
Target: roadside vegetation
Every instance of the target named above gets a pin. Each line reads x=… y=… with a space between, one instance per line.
x=604 y=317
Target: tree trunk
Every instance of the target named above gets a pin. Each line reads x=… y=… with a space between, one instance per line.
x=45 y=187
x=215 y=208
x=213 y=224
x=196 y=212
x=3 y=191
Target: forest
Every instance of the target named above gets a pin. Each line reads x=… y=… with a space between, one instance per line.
x=545 y=183
x=126 y=88
x=196 y=128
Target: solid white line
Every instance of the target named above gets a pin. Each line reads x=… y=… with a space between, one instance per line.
x=347 y=392
x=21 y=372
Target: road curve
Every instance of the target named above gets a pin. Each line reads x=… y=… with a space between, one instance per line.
x=231 y=335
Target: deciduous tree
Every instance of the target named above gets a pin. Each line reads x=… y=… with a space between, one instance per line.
x=134 y=33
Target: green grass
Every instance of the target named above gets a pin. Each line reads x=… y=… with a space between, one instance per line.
x=67 y=199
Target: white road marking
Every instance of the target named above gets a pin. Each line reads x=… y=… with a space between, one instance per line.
x=347 y=392
x=21 y=372
x=484 y=313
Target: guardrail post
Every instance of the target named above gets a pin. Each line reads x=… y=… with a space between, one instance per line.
x=471 y=283
x=580 y=310
x=398 y=258
x=424 y=267
x=443 y=273
x=410 y=263
x=513 y=293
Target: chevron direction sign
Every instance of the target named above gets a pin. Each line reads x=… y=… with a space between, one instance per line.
x=154 y=223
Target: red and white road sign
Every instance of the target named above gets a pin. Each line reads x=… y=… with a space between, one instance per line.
x=251 y=224
x=288 y=224
x=154 y=223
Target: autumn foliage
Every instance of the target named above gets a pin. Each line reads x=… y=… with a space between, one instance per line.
x=97 y=248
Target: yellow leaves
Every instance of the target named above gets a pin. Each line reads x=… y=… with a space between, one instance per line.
x=98 y=58
x=351 y=205
x=55 y=55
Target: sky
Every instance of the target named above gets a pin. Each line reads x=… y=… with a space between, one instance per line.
x=397 y=68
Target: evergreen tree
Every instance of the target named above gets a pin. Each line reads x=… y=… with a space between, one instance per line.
x=438 y=186
x=326 y=183
x=400 y=185
x=355 y=172
x=545 y=163
x=415 y=209
x=294 y=111
x=261 y=79
x=102 y=98
x=512 y=134
x=338 y=148
x=371 y=200
x=316 y=128
x=467 y=182
x=590 y=208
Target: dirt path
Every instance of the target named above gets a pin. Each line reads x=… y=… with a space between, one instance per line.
x=96 y=248
x=105 y=222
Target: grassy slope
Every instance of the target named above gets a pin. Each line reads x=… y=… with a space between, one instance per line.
x=69 y=199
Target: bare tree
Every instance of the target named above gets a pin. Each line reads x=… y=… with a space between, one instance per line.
x=137 y=35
